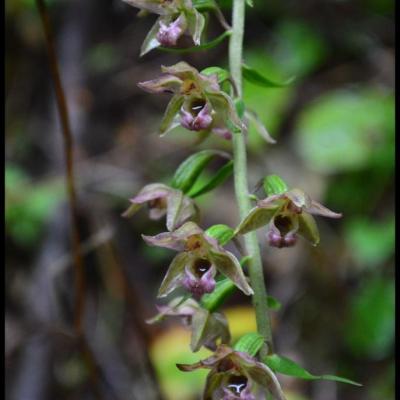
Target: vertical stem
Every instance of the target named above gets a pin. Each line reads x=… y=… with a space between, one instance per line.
x=256 y=273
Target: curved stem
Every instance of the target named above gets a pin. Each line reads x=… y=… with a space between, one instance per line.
x=241 y=185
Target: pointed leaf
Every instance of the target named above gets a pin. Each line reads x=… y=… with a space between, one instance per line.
x=175 y=203
x=256 y=78
x=132 y=210
x=274 y=184
x=249 y=343
x=223 y=289
x=173 y=276
x=286 y=366
x=220 y=177
x=273 y=303
x=258 y=124
x=170 y=113
x=188 y=172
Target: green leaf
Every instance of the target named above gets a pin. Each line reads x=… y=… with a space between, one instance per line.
x=188 y=172
x=250 y=3
x=274 y=184
x=172 y=109
x=250 y=343
x=256 y=78
x=223 y=233
x=286 y=366
x=273 y=303
x=240 y=107
x=220 y=176
x=221 y=73
x=213 y=43
x=204 y=5
x=223 y=289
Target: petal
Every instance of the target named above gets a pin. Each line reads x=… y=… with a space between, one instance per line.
x=181 y=70
x=222 y=104
x=196 y=22
x=151 y=192
x=173 y=276
x=165 y=239
x=153 y=6
x=174 y=206
x=213 y=383
x=318 y=209
x=308 y=228
x=299 y=198
x=228 y=265
x=132 y=210
x=256 y=218
x=170 y=113
x=164 y=84
x=187 y=229
x=151 y=42
x=222 y=352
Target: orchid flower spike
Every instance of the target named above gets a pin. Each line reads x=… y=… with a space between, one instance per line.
x=198 y=103
x=200 y=258
x=287 y=215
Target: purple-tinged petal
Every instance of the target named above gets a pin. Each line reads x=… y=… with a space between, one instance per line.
x=228 y=265
x=165 y=239
x=196 y=119
x=299 y=198
x=175 y=203
x=173 y=107
x=154 y=6
x=224 y=133
x=198 y=278
x=308 y=228
x=195 y=22
x=150 y=42
x=151 y=192
x=166 y=83
x=181 y=70
x=318 y=209
x=174 y=274
x=170 y=32
x=258 y=217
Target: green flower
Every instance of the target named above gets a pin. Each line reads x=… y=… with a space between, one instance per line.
x=164 y=200
x=236 y=375
x=200 y=258
x=198 y=103
x=206 y=327
x=176 y=18
x=286 y=214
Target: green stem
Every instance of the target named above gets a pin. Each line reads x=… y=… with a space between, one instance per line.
x=256 y=273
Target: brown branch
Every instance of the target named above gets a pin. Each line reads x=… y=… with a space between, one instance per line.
x=68 y=152
x=85 y=350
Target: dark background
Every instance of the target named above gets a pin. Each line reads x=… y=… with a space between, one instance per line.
x=335 y=133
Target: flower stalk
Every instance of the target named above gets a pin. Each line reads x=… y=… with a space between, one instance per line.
x=255 y=267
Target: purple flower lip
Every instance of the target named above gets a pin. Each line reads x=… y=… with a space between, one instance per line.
x=200 y=278
x=199 y=118
x=169 y=34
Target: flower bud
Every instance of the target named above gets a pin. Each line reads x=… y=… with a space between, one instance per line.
x=169 y=34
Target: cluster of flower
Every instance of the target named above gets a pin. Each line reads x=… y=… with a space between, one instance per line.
x=199 y=104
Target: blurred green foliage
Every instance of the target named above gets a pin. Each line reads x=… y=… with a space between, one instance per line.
x=28 y=205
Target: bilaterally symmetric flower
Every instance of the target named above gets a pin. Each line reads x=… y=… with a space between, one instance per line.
x=198 y=103
x=200 y=258
x=287 y=214
x=207 y=327
x=176 y=18
x=164 y=200
x=236 y=375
